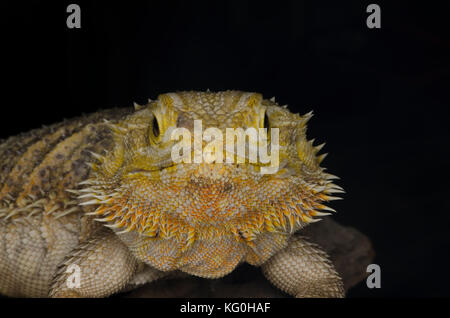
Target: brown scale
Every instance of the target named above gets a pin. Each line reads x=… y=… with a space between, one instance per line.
x=45 y=177
x=66 y=165
x=39 y=168
x=32 y=157
x=96 y=138
x=14 y=147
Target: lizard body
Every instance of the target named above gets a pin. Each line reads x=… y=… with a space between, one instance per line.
x=101 y=192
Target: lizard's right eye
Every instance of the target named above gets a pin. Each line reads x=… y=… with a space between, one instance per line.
x=155 y=127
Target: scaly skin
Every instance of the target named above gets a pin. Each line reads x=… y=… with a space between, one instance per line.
x=101 y=192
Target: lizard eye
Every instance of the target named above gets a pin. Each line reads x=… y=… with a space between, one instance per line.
x=155 y=127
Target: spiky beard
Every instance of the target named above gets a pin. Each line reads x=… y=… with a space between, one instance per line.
x=195 y=207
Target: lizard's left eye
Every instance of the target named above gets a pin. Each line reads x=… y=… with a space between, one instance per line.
x=155 y=127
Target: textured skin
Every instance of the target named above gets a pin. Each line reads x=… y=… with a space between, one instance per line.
x=297 y=268
x=101 y=192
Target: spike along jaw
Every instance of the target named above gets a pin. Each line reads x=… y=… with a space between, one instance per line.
x=305 y=186
x=138 y=157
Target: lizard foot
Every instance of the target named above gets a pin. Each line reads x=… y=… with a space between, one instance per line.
x=302 y=269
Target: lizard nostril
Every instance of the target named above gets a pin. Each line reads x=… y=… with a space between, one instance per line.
x=227 y=187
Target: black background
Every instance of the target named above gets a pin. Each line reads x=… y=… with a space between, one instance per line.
x=379 y=95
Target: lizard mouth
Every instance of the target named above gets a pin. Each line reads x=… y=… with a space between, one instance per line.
x=212 y=170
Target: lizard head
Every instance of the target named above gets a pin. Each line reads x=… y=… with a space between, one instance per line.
x=140 y=188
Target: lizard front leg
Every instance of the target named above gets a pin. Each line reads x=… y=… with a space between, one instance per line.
x=105 y=267
x=302 y=269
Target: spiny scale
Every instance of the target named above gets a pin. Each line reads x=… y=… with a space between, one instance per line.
x=244 y=216
x=109 y=169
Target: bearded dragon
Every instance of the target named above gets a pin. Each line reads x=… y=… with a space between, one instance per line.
x=101 y=192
